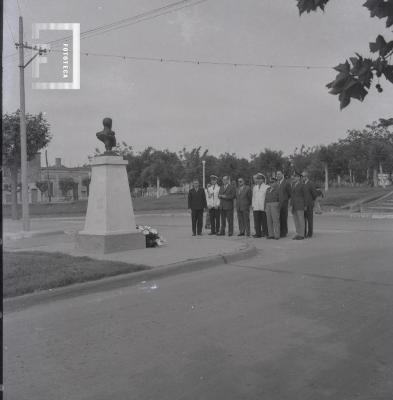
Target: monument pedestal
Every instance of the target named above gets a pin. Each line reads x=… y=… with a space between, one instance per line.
x=110 y=221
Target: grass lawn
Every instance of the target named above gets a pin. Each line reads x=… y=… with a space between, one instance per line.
x=337 y=197
x=73 y=208
x=30 y=271
x=170 y=202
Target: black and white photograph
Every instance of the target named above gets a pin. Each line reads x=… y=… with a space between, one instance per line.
x=197 y=200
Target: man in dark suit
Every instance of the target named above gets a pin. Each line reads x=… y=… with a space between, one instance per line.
x=310 y=195
x=243 y=204
x=298 y=205
x=284 y=194
x=196 y=203
x=226 y=195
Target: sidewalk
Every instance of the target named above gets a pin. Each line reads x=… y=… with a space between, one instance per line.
x=58 y=235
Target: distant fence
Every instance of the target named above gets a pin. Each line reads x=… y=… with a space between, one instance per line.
x=149 y=192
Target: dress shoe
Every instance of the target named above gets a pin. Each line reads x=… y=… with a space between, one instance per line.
x=230 y=234
x=212 y=233
x=221 y=234
x=298 y=238
x=270 y=237
x=194 y=234
x=199 y=234
x=256 y=236
x=240 y=234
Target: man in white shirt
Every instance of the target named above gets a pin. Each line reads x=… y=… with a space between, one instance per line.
x=258 y=206
x=213 y=204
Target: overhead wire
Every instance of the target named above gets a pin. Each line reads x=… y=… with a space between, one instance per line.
x=202 y=62
x=145 y=16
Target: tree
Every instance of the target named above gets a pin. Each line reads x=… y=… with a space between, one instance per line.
x=268 y=161
x=355 y=76
x=163 y=165
x=42 y=186
x=38 y=136
x=325 y=155
x=66 y=184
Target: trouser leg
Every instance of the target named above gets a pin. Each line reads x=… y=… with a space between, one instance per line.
x=199 y=221
x=269 y=220
x=275 y=212
x=193 y=221
x=212 y=220
x=240 y=219
x=301 y=225
x=296 y=221
x=223 y=220
x=230 y=221
x=264 y=223
x=217 y=216
x=246 y=217
x=257 y=223
x=308 y=220
x=284 y=219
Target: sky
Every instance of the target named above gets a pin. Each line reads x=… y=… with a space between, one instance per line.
x=174 y=105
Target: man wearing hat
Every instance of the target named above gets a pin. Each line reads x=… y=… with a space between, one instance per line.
x=298 y=205
x=243 y=204
x=273 y=209
x=284 y=196
x=258 y=206
x=310 y=195
x=227 y=195
x=213 y=204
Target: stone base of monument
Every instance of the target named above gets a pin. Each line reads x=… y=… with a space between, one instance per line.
x=110 y=222
x=108 y=243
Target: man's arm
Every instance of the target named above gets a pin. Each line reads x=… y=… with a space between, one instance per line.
x=204 y=199
x=189 y=199
x=313 y=191
x=288 y=189
x=232 y=193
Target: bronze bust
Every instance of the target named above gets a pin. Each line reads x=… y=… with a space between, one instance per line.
x=107 y=136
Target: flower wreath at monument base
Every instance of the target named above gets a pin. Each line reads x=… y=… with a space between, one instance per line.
x=153 y=238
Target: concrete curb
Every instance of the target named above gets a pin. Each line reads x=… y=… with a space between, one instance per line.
x=372 y=215
x=30 y=234
x=22 y=302
x=365 y=200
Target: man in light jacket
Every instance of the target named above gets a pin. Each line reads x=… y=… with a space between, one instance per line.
x=258 y=206
x=213 y=204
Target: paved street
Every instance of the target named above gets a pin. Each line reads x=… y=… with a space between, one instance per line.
x=303 y=320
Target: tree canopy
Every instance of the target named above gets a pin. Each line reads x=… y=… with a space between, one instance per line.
x=356 y=74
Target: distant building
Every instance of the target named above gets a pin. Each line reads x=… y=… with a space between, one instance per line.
x=52 y=174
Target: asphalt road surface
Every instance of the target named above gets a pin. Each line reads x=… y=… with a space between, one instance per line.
x=304 y=320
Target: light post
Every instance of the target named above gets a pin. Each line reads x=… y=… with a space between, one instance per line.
x=203 y=174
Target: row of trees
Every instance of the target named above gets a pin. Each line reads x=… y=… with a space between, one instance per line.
x=356 y=159
x=66 y=184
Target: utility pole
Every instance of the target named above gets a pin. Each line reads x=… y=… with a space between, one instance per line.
x=47 y=176
x=23 y=139
x=203 y=174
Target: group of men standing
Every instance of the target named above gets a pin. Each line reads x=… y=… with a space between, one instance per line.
x=269 y=202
